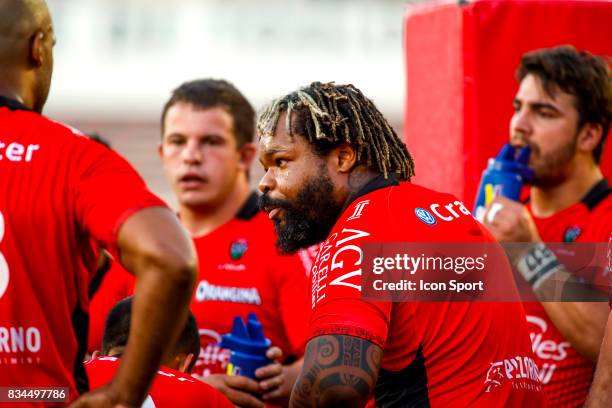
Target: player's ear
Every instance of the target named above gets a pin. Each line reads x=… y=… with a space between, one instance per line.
x=345 y=157
x=160 y=150
x=589 y=136
x=36 y=52
x=247 y=155
x=184 y=366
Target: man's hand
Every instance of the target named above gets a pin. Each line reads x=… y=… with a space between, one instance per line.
x=275 y=380
x=509 y=221
x=241 y=391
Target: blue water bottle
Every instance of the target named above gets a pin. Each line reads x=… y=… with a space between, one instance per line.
x=505 y=175
x=248 y=347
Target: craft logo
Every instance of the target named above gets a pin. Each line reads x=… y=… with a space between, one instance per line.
x=425 y=216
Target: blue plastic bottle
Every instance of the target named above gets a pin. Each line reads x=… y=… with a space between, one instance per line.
x=505 y=175
x=248 y=346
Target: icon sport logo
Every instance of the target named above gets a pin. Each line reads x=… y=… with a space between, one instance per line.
x=425 y=216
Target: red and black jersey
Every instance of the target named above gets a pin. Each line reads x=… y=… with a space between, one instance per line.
x=440 y=354
x=59 y=193
x=170 y=388
x=241 y=271
x=566 y=375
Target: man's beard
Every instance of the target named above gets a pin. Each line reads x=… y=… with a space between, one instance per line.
x=552 y=168
x=308 y=220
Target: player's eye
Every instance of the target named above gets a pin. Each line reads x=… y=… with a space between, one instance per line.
x=175 y=141
x=213 y=141
x=546 y=113
x=280 y=162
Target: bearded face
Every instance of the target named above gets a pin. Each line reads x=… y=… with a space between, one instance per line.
x=548 y=124
x=308 y=218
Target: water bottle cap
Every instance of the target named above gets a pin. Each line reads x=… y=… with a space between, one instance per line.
x=513 y=160
x=247 y=339
x=255 y=329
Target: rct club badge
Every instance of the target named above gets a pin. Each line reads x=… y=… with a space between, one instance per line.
x=238 y=249
x=572 y=233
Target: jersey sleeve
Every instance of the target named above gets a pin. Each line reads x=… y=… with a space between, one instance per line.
x=599 y=229
x=335 y=279
x=291 y=275
x=108 y=191
x=211 y=397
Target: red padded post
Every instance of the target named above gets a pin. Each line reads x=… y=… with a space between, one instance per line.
x=460 y=63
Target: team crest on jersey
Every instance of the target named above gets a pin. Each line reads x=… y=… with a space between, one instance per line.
x=238 y=248
x=572 y=233
x=425 y=216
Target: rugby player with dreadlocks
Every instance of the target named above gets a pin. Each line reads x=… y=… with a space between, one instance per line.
x=336 y=173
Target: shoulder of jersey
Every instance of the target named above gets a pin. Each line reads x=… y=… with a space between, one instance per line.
x=404 y=191
x=163 y=372
x=605 y=206
x=191 y=386
x=402 y=198
x=69 y=129
x=410 y=209
x=102 y=361
x=176 y=379
x=58 y=128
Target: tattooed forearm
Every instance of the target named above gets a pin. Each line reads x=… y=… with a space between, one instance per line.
x=338 y=371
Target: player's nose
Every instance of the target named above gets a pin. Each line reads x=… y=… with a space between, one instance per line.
x=267 y=182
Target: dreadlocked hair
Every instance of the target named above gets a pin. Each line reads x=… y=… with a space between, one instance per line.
x=327 y=115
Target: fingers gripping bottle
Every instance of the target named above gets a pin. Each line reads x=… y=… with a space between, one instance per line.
x=248 y=347
x=505 y=175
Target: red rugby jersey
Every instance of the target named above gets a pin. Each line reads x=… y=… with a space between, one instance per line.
x=240 y=271
x=115 y=284
x=566 y=375
x=170 y=388
x=439 y=354
x=59 y=192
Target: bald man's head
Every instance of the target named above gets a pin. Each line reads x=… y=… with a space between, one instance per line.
x=26 y=51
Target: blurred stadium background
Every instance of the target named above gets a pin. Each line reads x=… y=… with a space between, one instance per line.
x=116 y=61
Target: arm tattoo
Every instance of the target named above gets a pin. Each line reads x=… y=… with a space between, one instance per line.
x=338 y=371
